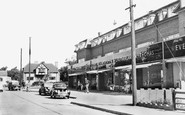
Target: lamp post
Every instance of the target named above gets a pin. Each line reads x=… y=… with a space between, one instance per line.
x=152 y=15
x=133 y=50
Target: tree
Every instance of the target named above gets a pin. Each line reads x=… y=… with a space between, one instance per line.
x=63 y=74
x=14 y=73
x=4 y=68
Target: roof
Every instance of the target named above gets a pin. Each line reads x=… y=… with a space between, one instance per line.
x=33 y=66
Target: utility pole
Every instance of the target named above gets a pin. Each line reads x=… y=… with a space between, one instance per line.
x=29 y=63
x=21 y=77
x=29 y=58
x=133 y=50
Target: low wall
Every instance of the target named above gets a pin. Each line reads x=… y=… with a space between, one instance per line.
x=155 y=97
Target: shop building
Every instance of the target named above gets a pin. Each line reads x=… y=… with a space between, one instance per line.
x=41 y=72
x=106 y=60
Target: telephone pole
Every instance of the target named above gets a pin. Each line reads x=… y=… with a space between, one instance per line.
x=29 y=58
x=133 y=50
x=21 y=77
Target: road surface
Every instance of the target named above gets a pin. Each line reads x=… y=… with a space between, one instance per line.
x=30 y=103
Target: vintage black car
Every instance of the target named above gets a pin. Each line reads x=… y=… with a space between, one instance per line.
x=46 y=88
x=60 y=90
x=14 y=85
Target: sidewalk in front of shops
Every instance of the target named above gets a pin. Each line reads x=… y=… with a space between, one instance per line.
x=116 y=103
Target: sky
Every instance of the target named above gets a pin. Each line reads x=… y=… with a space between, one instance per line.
x=56 y=26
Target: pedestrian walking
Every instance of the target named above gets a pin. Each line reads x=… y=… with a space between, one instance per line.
x=79 y=85
x=23 y=85
x=86 y=85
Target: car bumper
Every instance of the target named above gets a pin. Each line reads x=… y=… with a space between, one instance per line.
x=62 y=94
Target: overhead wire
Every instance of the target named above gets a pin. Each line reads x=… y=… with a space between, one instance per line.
x=164 y=41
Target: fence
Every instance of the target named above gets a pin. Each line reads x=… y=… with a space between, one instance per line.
x=156 y=98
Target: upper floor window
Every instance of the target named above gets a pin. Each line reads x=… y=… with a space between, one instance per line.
x=30 y=78
x=81 y=60
x=51 y=78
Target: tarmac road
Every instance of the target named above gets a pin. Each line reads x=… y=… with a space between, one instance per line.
x=30 y=103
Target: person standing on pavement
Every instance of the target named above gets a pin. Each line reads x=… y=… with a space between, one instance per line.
x=86 y=85
x=78 y=85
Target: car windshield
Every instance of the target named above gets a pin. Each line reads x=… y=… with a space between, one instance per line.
x=60 y=85
x=48 y=84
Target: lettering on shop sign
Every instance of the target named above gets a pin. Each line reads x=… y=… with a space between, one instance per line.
x=122 y=58
x=180 y=47
x=180 y=106
x=105 y=62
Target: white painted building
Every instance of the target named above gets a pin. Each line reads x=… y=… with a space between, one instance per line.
x=41 y=72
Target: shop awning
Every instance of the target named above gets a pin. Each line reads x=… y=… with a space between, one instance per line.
x=104 y=70
x=146 y=65
x=129 y=67
x=92 y=72
x=126 y=67
x=176 y=59
x=75 y=74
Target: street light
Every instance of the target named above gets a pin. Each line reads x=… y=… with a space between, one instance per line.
x=152 y=16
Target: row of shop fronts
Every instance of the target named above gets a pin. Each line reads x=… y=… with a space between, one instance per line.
x=113 y=72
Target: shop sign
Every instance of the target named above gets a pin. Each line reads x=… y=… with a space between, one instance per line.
x=172 y=48
x=179 y=100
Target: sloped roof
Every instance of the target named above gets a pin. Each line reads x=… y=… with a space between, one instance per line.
x=33 y=66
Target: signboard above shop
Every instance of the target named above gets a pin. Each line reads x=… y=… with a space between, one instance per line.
x=172 y=48
x=148 y=54
x=182 y=3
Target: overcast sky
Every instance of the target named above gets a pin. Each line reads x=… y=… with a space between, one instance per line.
x=55 y=26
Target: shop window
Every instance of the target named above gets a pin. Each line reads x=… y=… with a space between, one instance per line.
x=31 y=78
x=51 y=78
x=81 y=60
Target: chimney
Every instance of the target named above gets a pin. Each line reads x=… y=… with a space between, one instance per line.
x=56 y=64
x=99 y=34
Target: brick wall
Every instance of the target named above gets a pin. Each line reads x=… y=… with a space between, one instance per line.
x=166 y=28
x=182 y=22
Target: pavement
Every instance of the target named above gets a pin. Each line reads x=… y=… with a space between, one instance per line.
x=116 y=103
x=113 y=102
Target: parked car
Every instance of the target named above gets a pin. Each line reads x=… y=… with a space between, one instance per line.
x=1 y=86
x=46 y=88
x=14 y=85
x=60 y=90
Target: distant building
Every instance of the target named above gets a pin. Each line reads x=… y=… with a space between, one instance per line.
x=41 y=72
x=4 y=77
x=106 y=60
